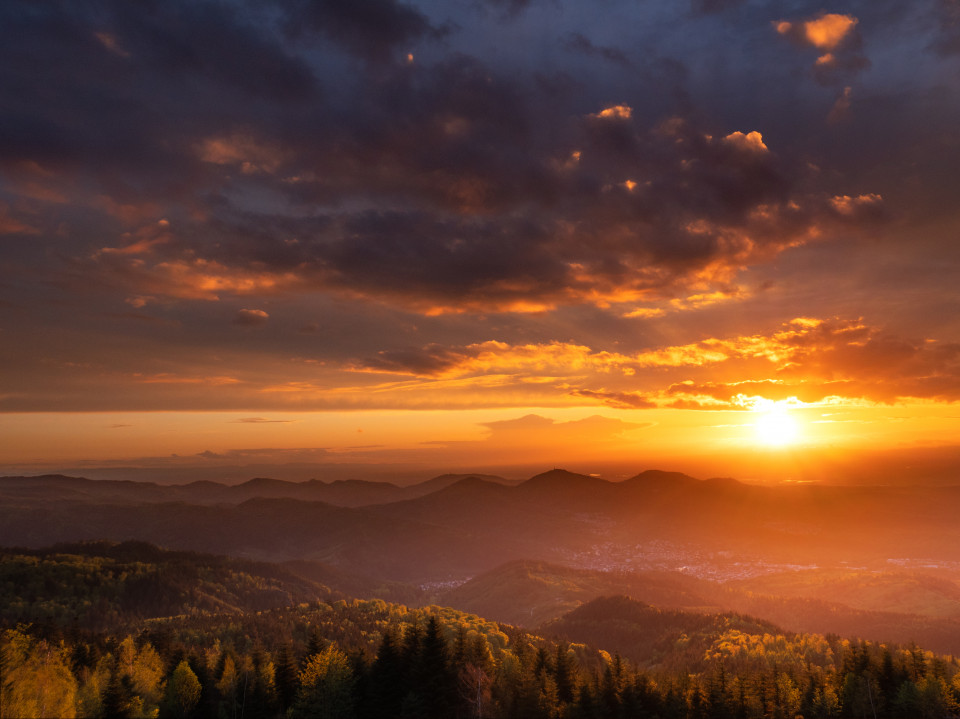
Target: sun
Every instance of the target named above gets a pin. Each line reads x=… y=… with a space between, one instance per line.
x=775 y=427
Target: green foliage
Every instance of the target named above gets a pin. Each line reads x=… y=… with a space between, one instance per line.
x=326 y=687
x=183 y=692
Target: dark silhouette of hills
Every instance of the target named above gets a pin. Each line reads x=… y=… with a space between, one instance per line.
x=341 y=492
x=457 y=526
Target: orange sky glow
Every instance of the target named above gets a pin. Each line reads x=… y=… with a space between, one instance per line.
x=710 y=238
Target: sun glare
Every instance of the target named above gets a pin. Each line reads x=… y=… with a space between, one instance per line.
x=775 y=427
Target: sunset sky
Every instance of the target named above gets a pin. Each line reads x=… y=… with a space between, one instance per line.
x=476 y=233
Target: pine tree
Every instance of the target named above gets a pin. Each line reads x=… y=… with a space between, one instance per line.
x=117 y=699
x=564 y=672
x=386 y=684
x=285 y=678
x=434 y=676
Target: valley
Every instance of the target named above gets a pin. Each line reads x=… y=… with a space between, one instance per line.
x=670 y=573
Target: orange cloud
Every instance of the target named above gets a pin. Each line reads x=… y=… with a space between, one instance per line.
x=10 y=225
x=750 y=142
x=618 y=400
x=854 y=206
x=810 y=359
x=614 y=112
x=825 y=32
x=193 y=279
x=110 y=42
x=251 y=318
x=835 y=36
x=167 y=378
x=828 y=31
x=250 y=154
x=486 y=357
x=143 y=241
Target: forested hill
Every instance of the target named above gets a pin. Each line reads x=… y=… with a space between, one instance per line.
x=106 y=586
x=356 y=659
x=529 y=593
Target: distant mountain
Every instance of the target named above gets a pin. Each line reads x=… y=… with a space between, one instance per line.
x=361 y=540
x=457 y=526
x=343 y=492
x=445 y=480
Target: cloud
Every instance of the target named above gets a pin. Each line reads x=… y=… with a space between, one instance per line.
x=860 y=206
x=827 y=31
x=251 y=318
x=619 y=400
x=710 y=7
x=262 y=420
x=577 y=42
x=749 y=142
x=948 y=40
x=207 y=454
x=242 y=151
x=811 y=359
x=841 y=108
x=509 y=9
x=11 y=225
x=374 y=30
x=167 y=378
x=817 y=361
x=835 y=36
x=491 y=356
x=430 y=186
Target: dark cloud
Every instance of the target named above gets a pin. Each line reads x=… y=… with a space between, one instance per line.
x=207 y=454
x=508 y=9
x=425 y=361
x=619 y=400
x=104 y=103
x=948 y=41
x=577 y=42
x=374 y=29
x=709 y=7
x=447 y=187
